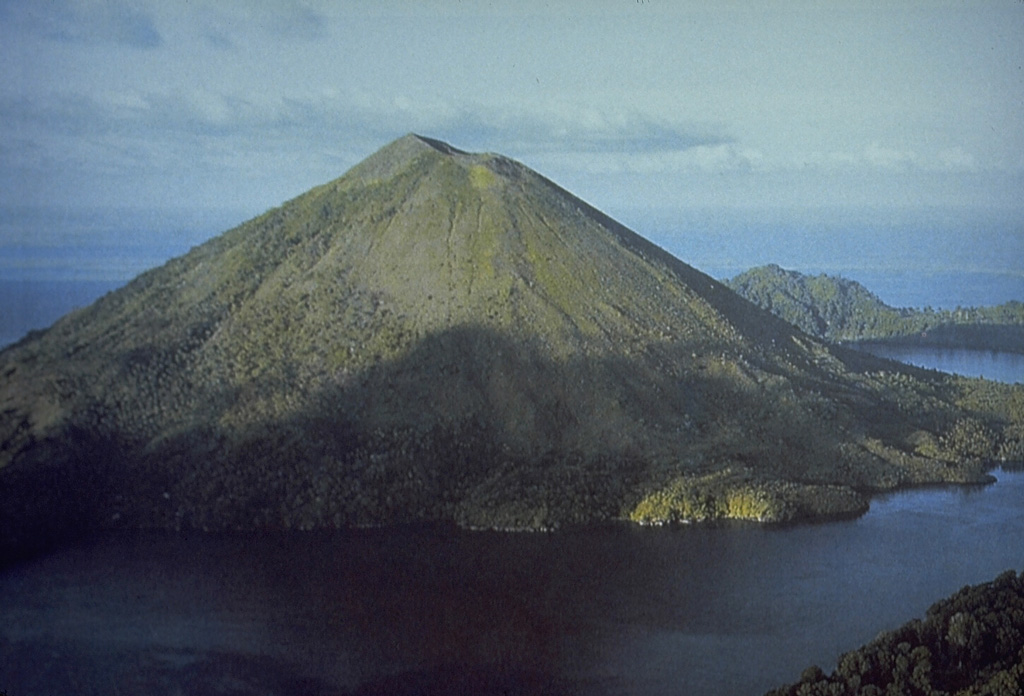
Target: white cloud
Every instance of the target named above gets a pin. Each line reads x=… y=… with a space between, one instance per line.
x=888 y=157
x=728 y=157
x=90 y=22
x=957 y=159
x=882 y=158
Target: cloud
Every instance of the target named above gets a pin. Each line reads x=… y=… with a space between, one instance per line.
x=880 y=158
x=144 y=137
x=599 y=131
x=217 y=38
x=373 y=120
x=296 y=21
x=89 y=22
x=722 y=157
x=182 y=140
x=259 y=22
x=535 y=129
x=956 y=159
x=888 y=157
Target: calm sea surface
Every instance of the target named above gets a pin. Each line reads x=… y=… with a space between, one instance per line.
x=29 y=303
x=994 y=365
x=942 y=258
x=26 y=305
x=615 y=610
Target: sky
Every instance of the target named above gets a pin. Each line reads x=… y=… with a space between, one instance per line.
x=652 y=110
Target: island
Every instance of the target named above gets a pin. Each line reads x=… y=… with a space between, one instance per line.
x=444 y=336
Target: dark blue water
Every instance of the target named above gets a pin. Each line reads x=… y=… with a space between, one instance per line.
x=994 y=365
x=53 y=260
x=28 y=303
x=616 y=610
x=35 y=304
x=109 y=244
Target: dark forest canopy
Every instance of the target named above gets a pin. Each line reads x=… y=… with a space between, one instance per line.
x=837 y=309
x=971 y=644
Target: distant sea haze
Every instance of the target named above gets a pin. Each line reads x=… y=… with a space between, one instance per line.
x=933 y=258
x=53 y=260
x=35 y=304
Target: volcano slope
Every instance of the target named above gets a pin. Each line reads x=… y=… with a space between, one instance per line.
x=439 y=335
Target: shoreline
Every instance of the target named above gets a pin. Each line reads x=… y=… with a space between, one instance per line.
x=84 y=537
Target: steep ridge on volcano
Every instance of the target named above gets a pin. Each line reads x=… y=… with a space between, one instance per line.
x=439 y=335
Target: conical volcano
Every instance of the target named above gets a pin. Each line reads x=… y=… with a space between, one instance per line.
x=439 y=335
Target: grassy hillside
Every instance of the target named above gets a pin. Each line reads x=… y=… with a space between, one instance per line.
x=837 y=309
x=439 y=335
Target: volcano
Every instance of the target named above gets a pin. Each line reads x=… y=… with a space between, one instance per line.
x=445 y=336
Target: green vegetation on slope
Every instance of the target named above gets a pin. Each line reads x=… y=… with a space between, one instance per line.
x=837 y=309
x=438 y=335
x=971 y=644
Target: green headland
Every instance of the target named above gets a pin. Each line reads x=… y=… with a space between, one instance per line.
x=837 y=309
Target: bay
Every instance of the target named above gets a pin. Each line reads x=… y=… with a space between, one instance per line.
x=994 y=365
x=730 y=609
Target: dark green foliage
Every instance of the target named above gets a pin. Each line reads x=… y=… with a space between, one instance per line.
x=838 y=309
x=968 y=645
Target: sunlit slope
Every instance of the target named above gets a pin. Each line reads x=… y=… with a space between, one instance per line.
x=444 y=335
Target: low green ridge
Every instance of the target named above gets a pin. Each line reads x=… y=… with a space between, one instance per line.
x=837 y=309
x=440 y=335
x=971 y=644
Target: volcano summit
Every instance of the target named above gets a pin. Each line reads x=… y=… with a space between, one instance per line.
x=439 y=335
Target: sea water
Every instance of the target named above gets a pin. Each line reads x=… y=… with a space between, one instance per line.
x=939 y=258
x=723 y=610
x=54 y=260
x=993 y=365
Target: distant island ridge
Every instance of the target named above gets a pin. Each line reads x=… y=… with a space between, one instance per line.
x=451 y=337
x=841 y=310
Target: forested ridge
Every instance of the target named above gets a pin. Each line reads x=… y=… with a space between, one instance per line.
x=971 y=644
x=838 y=309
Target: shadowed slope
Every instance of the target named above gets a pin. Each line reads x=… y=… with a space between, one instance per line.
x=444 y=335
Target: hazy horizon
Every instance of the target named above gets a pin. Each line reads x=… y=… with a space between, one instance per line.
x=858 y=140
